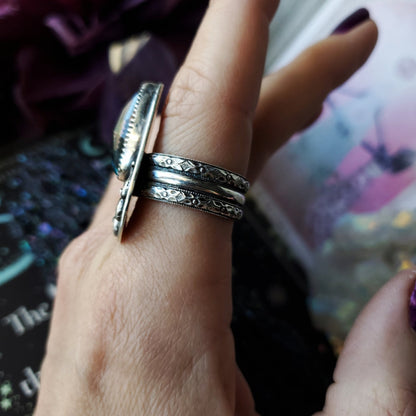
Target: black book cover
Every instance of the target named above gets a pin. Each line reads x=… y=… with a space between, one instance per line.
x=47 y=196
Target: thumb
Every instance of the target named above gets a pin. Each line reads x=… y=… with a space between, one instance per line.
x=376 y=372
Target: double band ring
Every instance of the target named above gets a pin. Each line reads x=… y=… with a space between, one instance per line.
x=167 y=178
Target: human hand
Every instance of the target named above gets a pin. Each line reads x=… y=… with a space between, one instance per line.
x=143 y=327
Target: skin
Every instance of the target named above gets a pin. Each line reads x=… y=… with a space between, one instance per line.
x=143 y=327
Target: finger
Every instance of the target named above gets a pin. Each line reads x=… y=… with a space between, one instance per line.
x=292 y=98
x=212 y=100
x=209 y=111
x=376 y=370
x=283 y=109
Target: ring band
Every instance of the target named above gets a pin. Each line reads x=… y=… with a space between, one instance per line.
x=189 y=198
x=167 y=178
x=201 y=171
x=185 y=182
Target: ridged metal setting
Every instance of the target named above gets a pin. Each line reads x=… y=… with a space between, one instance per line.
x=130 y=137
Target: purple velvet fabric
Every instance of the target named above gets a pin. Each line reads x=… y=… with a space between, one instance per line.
x=412 y=309
x=54 y=69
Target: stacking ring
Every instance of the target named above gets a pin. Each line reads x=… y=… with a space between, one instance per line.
x=167 y=178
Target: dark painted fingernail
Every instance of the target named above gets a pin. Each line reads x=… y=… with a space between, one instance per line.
x=360 y=16
x=412 y=309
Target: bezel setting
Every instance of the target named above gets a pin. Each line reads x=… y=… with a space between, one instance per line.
x=130 y=137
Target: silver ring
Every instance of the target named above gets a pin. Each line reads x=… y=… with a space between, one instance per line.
x=167 y=178
x=185 y=182
x=189 y=198
x=199 y=170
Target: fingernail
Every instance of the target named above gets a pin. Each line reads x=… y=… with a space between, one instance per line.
x=412 y=309
x=359 y=16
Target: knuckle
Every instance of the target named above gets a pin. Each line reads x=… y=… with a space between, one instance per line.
x=193 y=95
x=189 y=91
x=73 y=252
x=78 y=252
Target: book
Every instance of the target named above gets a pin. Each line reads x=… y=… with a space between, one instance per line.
x=47 y=196
x=342 y=193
